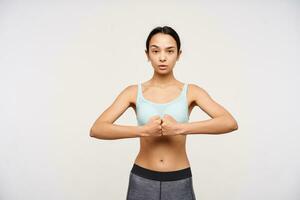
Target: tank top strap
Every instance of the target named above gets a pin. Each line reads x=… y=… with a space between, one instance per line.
x=139 y=91
x=185 y=87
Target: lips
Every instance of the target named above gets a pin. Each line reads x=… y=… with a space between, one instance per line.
x=162 y=67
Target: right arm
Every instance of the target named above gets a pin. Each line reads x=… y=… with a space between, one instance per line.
x=103 y=127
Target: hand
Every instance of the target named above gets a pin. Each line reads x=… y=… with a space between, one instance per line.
x=170 y=126
x=153 y=127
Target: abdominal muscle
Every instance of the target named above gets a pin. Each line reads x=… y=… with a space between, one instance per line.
x=163 y=153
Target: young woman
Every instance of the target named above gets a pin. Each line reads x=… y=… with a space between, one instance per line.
x=161 y=170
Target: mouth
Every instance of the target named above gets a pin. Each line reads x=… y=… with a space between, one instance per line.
x=162 y=67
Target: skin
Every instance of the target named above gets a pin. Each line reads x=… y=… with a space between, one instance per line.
x=163 y=140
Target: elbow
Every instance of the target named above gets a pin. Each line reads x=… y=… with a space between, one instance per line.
x=233 y=125
x=98 y=130
x=92 y=132
x=230 y=123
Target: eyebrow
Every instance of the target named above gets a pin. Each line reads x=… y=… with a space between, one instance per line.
x=166 y=47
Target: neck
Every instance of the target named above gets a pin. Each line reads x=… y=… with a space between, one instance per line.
x=163 y=79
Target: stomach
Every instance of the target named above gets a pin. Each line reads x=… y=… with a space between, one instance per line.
x=165 y=153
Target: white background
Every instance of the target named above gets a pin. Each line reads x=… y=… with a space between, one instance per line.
x=64 y=62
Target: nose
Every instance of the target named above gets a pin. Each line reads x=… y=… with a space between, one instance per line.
x=162 y=57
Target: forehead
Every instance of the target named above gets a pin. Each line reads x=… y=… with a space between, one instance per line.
x=162 y=40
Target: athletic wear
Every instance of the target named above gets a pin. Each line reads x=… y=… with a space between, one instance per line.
x=146 y=184
x=177 y=108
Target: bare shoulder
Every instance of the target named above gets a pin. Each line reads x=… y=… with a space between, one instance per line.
x=129 y=93
x=209 y=105
x=202 y=99
x=120 y=104
x=196 y=91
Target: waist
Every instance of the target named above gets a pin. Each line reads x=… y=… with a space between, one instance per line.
x=161 y=176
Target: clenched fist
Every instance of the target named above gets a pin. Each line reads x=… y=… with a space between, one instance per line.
x=157 y=126
x=153 y=127
x=170 y=126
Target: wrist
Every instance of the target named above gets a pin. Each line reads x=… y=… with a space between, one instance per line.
x=141 y=131
x=182 y=129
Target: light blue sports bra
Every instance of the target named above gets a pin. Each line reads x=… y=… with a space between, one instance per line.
x=177 y=108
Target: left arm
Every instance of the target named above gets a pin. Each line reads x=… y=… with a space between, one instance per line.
x=222 y=121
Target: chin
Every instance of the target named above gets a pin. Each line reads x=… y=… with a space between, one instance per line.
x=162 y=71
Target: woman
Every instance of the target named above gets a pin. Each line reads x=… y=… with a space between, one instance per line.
x=161 y=170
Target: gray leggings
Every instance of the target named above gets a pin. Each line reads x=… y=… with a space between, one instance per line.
x=146 y=184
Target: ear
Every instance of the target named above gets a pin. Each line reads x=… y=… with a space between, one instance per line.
x=179 y=53
x=147 y=55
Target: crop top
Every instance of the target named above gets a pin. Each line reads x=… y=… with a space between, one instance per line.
x=177 y=108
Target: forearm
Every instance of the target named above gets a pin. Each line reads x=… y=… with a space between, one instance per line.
x=216 y=125
x=108 y=131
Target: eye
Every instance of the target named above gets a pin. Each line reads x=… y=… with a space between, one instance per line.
x=155 y=51
x=171 y=51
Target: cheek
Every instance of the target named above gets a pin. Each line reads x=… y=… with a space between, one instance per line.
x=174 y=58
x=152 y=56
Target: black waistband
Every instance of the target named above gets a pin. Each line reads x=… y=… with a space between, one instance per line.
x=161 y=176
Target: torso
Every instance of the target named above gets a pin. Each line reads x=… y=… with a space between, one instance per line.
x=165 y=153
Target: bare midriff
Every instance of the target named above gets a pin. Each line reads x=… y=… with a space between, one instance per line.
x=163 y=153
